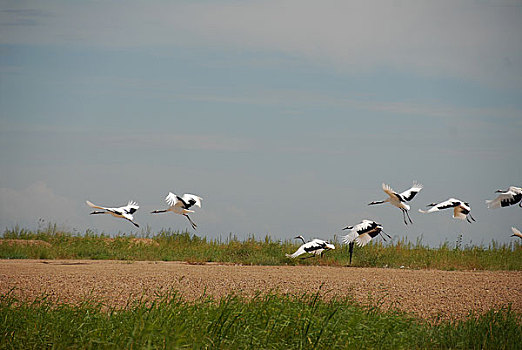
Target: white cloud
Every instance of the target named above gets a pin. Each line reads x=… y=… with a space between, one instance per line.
x=37 y=201
x=466 y=39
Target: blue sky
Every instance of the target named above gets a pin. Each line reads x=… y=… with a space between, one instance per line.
x=285 y=116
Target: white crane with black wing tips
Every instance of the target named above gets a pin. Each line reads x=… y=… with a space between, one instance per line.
x=461 y=209
x=511 y=196
x=315 y=247
x=399 y=199
x=120 y=212
x=516 y=233
x=180 y=205
x=362 y=234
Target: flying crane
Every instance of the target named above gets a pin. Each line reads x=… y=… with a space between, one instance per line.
x=180 y=205
x=508 y=197
x=124 y=212
x=399 y=199
x=461 y=209
x=362 y=234
x=315 y=247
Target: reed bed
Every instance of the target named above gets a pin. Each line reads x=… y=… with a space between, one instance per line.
x=168 y=245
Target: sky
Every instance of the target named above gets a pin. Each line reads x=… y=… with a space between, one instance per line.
x=284 y=116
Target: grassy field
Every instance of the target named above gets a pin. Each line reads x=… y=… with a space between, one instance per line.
x=264 y=322
x=170 y=245
x=267 y=321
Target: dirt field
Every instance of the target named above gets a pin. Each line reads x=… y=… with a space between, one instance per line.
x=426 y=293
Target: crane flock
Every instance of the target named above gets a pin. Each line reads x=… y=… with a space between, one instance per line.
x=178 y=205
x=360 y=234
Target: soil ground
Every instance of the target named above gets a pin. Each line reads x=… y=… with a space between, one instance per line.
x=427 y=294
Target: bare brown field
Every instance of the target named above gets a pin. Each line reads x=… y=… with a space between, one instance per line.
x=425 y=293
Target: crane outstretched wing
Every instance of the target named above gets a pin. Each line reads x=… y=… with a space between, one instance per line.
x=191 y=199
x=504 y=200
x=174 y=200
x=131 y=207
x=389 y=191
x=362 y=233
x=408 y=195
x=349 y=238
x=186 y=201
x=363 y=239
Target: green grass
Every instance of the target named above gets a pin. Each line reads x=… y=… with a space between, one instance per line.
x=265 y=322
x=170 y=245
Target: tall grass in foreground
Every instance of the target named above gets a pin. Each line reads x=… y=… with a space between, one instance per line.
x=264 y=322
x=170 y=245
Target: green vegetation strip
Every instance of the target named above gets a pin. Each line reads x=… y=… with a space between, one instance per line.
x=265 y=322
x=167 y=245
